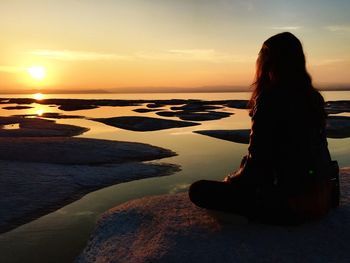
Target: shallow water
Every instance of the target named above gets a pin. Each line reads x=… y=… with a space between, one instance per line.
x=60 y=235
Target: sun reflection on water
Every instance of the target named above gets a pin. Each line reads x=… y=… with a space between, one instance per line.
x=38 y=96
x=39 y=112
x=13 y=126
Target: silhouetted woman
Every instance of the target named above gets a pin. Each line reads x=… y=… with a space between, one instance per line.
x=285 y=178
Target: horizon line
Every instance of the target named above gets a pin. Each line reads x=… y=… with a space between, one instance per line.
x=135 y=90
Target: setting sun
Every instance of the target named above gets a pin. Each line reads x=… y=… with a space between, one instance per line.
x=37 y=72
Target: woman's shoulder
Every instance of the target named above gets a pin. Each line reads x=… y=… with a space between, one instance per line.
x=317 y=97
x=286 y=100
x=297 y=97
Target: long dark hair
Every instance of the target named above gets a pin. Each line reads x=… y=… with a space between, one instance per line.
x=281 y=64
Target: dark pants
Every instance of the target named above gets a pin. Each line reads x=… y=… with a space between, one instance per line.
x=267 y=206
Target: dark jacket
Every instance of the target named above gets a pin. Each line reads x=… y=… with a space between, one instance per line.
x=288 y=146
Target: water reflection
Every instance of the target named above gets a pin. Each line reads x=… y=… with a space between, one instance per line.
x=14 y=126
x=38 y=96
x=39 y=112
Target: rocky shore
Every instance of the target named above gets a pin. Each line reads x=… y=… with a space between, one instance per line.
x=43 y=168
x=170 y=228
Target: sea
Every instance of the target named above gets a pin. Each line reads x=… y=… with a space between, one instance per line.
x=61 y=235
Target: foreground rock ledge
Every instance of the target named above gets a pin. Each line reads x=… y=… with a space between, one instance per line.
x=170 y=229
x=40 y=175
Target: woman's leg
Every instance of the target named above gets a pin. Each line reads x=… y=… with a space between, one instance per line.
x=229 y=197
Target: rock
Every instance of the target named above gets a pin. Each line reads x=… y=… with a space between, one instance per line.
x=136 y=123
x=144 y=110
x=334 y=107
x=170 y=228
x=170 y=102
x=195 y=110
x=55 y=115
x=4 y=101
x=154 y=105
x=21 y=101
x=195 y=116
x=238 y=136
x=196 y=107
x=18 y=107
x=30 y=190
x=90 y=102
x=36 y=127
x=338 y=127
x=167 y=113
x=238 y=104
x=62 y=150
x=331 y=107
x=72 y=107
x=52 y=115
x=39 y=175
x=203 y=116
x=71 y=104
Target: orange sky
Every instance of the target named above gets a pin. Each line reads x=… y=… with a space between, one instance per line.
x=182 y=43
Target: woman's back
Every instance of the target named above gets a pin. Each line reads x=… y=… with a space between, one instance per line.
x=288 y=135
x=285 y=176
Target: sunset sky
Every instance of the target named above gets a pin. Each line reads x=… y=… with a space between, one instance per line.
x=82 y=45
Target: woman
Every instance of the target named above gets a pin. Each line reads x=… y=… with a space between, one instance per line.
x=285 y=178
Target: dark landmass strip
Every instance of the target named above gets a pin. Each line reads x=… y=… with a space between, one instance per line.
x=196 y=107
x=79 y=104
x=154 y=105
x=4 y=101
x=70 y=107
x=18 y=107
x=145 y=110
x=137 y=123
x=36 y=127
x=169 y=228
x=63 y=150
x=237 y=104
x=338 y=127
x=196 y=110
x=339 y=106
x=63 y=170
x=195 y=116
x=238 y=136
x=52 y=115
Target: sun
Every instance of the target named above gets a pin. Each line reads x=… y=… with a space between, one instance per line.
x=37 y=72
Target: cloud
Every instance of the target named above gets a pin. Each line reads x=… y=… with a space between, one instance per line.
x=201 y=55
x=204 y=55
x=69 y=55
x=338 y=28
x=285 y=28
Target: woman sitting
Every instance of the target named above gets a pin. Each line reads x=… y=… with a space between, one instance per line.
x=286 y=176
